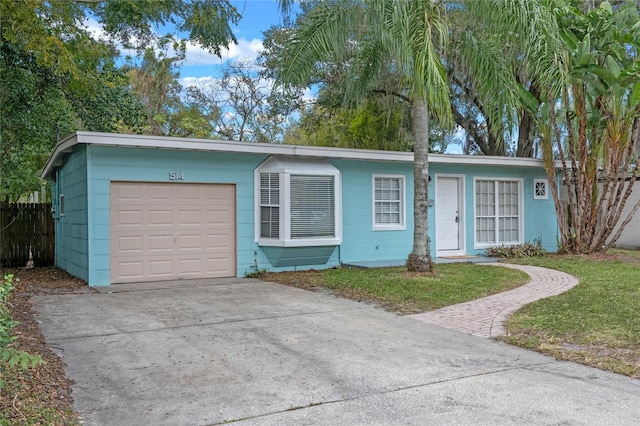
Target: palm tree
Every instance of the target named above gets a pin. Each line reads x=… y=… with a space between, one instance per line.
x=371 y=39
x=583 y=57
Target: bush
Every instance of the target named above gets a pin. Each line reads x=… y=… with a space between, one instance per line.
x=517 y=250
x=6 y=322
x=8 y=354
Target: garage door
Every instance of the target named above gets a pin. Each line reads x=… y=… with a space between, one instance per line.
x=166 y=231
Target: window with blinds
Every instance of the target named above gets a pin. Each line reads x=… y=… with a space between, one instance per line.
x=497 y=211
x=298 y=203
x=388 y=202
x=312 y=206
x=269 y=205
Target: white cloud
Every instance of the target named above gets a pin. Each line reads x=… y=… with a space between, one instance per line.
x=95 y=29
x=199 y=82
x=195 y=55
x=211 y=85
x=244 y=50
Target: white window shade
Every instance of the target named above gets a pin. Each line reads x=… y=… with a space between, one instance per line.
x=312 y=206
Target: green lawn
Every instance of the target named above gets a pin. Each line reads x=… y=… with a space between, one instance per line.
x=595 y=323
x=397 y=290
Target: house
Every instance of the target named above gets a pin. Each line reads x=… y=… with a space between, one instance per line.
x=133 y=208
x=630 y=236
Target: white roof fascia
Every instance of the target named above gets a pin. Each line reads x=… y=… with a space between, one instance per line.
x=192 y=144
x=55 y=159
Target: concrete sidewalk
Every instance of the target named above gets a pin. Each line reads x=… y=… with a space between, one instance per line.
x=485 y=317
x=251 y=352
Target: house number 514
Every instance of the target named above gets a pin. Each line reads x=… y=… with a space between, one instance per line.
x=176 y=176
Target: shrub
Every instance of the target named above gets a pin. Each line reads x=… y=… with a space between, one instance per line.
x=8 y=354
x=517 y=250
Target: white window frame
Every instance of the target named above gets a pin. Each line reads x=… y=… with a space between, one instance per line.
x=61 y=207
x=402 y=225
x=537 y=182
x=271 y=203
x=286 y=167
x=483 y=245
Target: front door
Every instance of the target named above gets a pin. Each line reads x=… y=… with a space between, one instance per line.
x=448 y=216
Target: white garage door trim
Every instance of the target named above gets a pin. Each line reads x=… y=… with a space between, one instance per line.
x=168 y=231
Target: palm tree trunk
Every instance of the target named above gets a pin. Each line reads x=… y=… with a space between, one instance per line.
x=420 y=258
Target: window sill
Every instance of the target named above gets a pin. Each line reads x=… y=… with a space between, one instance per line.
x=482 y=246
x=389 y=228
x=308 y=242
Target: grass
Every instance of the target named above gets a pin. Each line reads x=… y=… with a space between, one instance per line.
x=397 y=290
x=596 y=323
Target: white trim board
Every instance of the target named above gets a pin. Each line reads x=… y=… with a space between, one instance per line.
x=210 y=145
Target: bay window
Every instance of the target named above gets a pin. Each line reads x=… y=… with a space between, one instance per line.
x=298 y=203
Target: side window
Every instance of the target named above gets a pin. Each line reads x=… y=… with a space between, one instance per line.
x=540 y=189
x=388 y=202
x=269 y=205
x=61 y=205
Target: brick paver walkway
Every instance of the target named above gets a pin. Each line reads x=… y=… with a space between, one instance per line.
x=485 y=317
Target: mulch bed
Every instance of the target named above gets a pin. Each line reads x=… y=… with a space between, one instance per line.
x=39 y=395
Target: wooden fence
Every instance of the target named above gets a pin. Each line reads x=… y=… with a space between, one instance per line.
x=26 y=229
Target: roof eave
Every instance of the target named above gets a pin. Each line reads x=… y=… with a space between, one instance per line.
x=191 y=144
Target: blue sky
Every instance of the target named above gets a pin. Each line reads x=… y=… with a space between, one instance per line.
x=257 y=16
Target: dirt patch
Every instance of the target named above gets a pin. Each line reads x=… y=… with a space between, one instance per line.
x=612 y=255
x=40 y=395
x=624 y=361
x=307 y=280
x=620 y=360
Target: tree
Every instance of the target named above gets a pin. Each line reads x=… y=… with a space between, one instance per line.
x=56 y=77
x=585 y=64
x=111 y=106
x=237 y=106
x=514 y=129
x=495 y=95
x=372 y=125
x=33 y=102
x=377 y=37
x=594 y=129
x=155 y=83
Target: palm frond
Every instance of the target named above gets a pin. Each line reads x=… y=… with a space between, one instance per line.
x=322 y=36
x=530 y=25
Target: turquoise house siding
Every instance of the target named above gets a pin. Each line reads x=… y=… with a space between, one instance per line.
x=360 y=241
x=83 y=172
x=539 y=217
x=127 y=164
x=72 y=240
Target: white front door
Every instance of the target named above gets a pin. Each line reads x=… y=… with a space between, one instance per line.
x=448 y=216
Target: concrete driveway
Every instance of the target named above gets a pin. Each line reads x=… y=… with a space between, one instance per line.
x=240 y=350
